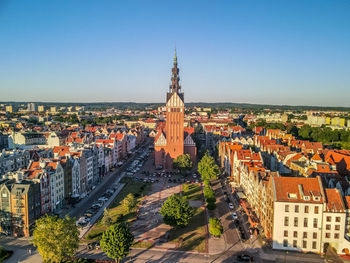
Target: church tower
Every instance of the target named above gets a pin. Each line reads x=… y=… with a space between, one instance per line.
x=175 y=108
x=173 y=139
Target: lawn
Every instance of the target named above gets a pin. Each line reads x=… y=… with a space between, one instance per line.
x=143 y=244
x=192 y=191
x=116 y=211
x=193 y=236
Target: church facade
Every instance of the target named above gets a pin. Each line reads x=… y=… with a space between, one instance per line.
x=175 y=139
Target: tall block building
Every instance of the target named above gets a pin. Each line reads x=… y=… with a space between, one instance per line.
x=174 y=140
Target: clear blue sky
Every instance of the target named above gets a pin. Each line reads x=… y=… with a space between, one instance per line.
x=274 y=52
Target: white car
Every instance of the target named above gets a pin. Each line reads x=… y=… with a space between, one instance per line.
x=234 y=216
x=230 y=205
x=103 y=199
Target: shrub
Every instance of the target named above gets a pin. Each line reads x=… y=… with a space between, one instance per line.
x=211 y=206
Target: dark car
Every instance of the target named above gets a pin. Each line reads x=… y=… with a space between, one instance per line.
x=245 y=258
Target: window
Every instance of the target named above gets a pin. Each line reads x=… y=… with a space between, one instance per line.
x=328 y=219
x=315 y=222
x=295 y=234
x=337 y=227
x=314 y=235
x=328 y=235
x=314 y=244
x=295 y=243
x=328 y=227
x=285 y=243
x=337 y=219
x=305 y=222
x=286 y=208
x=286 y=221
x=304 y=234
x=296 y=209
x=295 y=221
x=336 y=236
x=304 y=244
x=306 y=209
x=285 y=233
x=316 y=210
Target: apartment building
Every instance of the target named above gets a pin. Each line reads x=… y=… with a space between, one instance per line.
x=25 y=207
x=13 y=160
x=307 y=217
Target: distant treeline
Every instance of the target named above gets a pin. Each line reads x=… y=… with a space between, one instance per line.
x=221 y=105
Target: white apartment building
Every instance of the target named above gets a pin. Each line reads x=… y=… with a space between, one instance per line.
x=307 y=217
x=57 y=184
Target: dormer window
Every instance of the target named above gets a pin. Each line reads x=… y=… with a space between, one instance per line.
x=316 y=198
x=292 y=196
x=307 y=198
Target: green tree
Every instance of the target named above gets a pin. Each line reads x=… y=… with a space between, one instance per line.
x=106 y=219
x=176 y=211
x=55 y=238
x=183 y=163
x=116 y=241
x=211 y=205
x=305 y=132
x=215 y=227
x=129 y=202
x=209 y=194
x=208 y=168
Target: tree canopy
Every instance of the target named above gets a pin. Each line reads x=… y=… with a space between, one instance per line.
x=176 y=211
x=209 y=194
x=116 y=241
x=215 y=226
x=207 y=167
x=129 y=202
x=106 y=219
x=55 y=238
x=183 y=163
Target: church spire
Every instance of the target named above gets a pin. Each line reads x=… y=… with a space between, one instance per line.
x=175 y=79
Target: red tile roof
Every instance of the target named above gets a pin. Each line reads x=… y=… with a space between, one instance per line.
x=334 y=200
x=290 y=189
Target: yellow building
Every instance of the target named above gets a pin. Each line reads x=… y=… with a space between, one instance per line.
x=41 y=108
x=9 y=108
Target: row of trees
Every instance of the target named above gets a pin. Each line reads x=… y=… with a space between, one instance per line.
x=323 y=134
x=58 y=238
x=209 y=196
x=326 y=135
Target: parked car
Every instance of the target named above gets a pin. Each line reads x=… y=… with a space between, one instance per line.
x=234 y=216
x=103 y=199
x=245 y=258
x=230 y=205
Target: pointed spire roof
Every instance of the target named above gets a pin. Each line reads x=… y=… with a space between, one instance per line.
x=175 y=80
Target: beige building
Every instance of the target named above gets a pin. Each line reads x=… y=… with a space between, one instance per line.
x=53 y=109
x=41 y=108
x=9 y=108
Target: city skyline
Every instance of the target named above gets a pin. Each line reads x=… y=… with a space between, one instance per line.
x=274 y=53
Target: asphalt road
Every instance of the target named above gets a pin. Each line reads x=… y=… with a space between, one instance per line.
x=230 y=233
x=102 y=187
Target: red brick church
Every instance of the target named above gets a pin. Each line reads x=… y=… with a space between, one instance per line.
x=175 y=139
